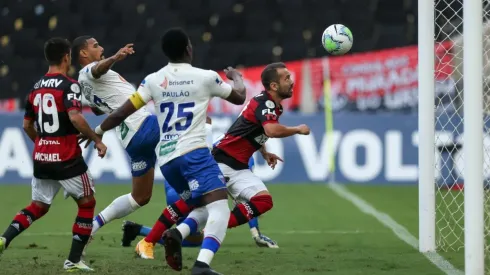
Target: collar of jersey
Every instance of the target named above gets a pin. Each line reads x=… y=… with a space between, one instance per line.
x=179 y=64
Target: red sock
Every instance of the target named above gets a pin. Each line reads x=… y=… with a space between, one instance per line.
x=82 y=228
x=28 y=215
x=168 y=218
x=83 y=222
x=244 y=212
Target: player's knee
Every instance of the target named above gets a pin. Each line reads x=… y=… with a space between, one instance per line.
x=40 y=207
x=142 y=199
x=87 y=203
x=263 y=202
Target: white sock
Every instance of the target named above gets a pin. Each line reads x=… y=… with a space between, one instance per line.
x=120 y=207
x=215 y=230
x=254 y=231
x=198 y=216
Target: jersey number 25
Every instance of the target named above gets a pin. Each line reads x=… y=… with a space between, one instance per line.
x=182 y=114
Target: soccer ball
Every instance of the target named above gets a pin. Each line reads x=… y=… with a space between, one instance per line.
x=337 y=39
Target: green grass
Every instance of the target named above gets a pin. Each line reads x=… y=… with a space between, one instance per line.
x=317 y=231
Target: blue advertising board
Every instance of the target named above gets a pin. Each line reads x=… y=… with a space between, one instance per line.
x=370 y=149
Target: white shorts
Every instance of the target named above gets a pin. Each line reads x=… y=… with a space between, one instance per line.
x=44 y=190
x=242 y=184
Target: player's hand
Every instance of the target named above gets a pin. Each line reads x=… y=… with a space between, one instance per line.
x=232 y=73
x=271 y=159
x=82 y=138
x=124 y=52
x=303 y=129
x=101 y=149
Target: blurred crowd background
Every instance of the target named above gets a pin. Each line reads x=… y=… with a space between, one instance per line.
x=240 y=33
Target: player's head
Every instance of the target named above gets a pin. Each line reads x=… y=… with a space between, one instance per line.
x=87 y=50
x=57 y=52
x=277 y=78
x=177 y=46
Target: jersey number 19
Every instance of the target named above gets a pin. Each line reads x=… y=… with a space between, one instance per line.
x=47 y=106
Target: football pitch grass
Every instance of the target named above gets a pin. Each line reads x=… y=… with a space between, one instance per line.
x=318 y=232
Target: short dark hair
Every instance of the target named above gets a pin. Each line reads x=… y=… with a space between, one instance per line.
x=55 y=49
x=269 y=74
x=174 y=43
x=78 y=44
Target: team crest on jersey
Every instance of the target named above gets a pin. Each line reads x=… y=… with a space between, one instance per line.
x=75 y=88
x=164 y=83
x=270 y=104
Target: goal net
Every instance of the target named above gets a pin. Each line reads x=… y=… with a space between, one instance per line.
x=450 y=127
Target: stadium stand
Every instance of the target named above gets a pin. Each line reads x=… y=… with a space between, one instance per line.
x=246 y=30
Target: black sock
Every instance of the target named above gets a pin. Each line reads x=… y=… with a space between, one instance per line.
x=201 y=264
x=76 y=251
x=12 y=231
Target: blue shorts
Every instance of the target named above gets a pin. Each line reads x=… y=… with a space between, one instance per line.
x=141 y=148
x=194 y=174
x=173 y=196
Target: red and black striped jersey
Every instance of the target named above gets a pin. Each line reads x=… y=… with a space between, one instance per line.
x=56 y=155
x=246 y=135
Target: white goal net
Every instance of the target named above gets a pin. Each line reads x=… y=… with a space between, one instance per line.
x=449 y=126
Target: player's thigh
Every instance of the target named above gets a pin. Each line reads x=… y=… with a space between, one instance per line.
x=171 y=195
x=203 y=174
x=44 y=190
x=242 y=184
x=79 y=187
x=141 y=150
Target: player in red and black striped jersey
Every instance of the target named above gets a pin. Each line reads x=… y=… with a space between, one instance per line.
x=53 y=119
x=56 y=155
x=258 y=122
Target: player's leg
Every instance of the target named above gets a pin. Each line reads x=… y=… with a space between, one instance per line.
x=206 y=182
x=253 y=199
x=260 y=239
x=43 y=193
x=250 y=190
x=131 y=229
x=141 y=150
x=81 y=189
x=167 y=219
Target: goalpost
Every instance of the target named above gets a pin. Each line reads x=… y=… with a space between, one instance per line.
x=451 y=148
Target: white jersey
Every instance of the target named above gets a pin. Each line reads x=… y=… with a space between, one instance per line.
x=181 y=94
x=108 y=93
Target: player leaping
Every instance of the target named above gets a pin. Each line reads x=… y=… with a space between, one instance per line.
x=139 y=133
x=181 y=94
x=53 y=119
x=258 y=121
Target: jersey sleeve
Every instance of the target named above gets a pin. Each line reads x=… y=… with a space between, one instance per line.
x=87 y=70
x=72 y=97
x=266 y=112
x=29 y=109
x=143 y=94
x=217 y=86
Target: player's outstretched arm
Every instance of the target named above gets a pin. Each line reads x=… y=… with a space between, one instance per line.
x=276 y=130
x=103 y=66
x=79 y=122
x=29 y=129
x=238 y=93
